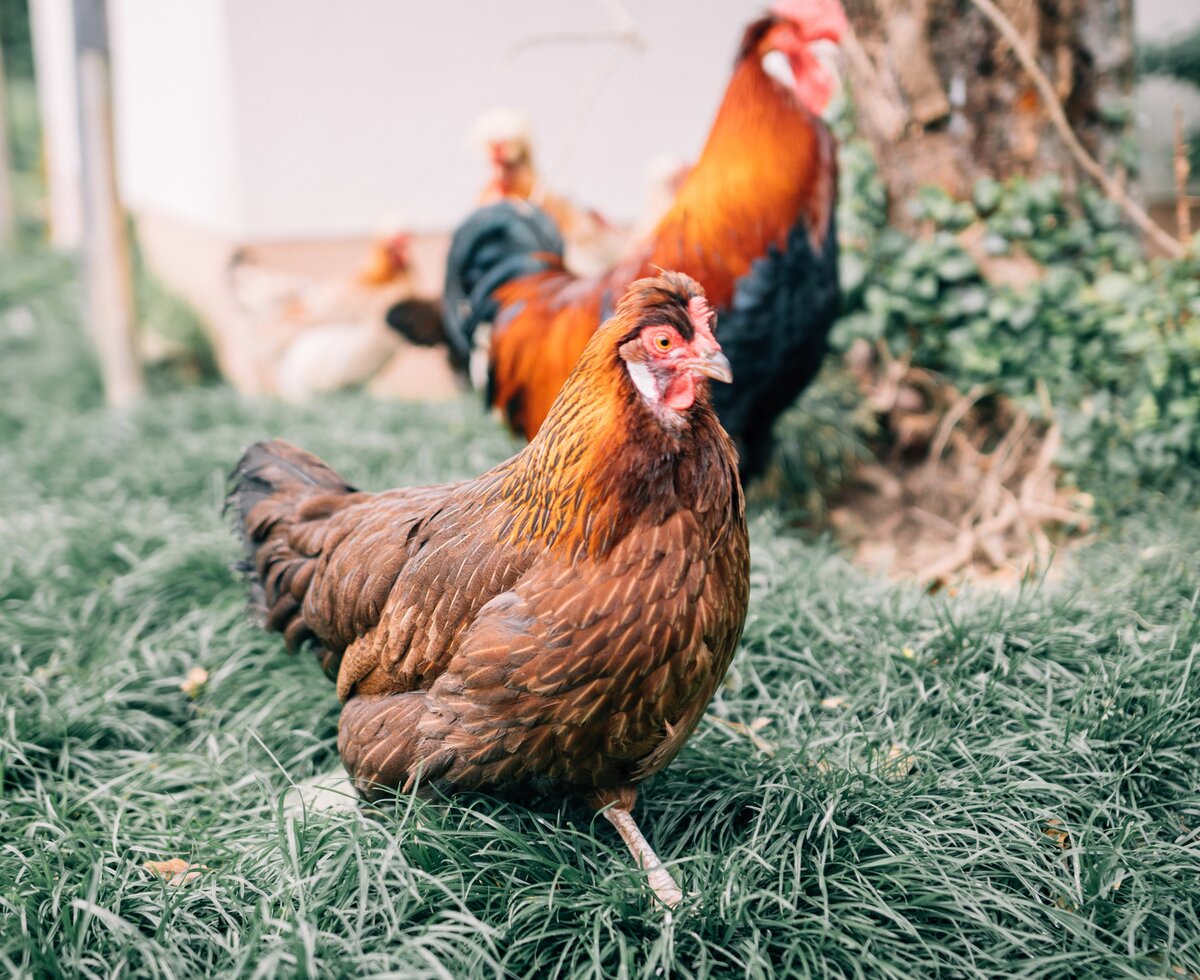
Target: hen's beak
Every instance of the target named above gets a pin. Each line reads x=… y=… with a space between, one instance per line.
x=715 y=365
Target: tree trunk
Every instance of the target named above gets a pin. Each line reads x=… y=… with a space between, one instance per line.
x=944 y=100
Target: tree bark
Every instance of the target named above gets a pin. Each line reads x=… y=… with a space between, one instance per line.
x=944 y=100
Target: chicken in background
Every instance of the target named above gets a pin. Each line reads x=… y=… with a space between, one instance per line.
x=753 y=222
x=330 y=334
x=504 y=137
x=264 y=290
x=556 y=626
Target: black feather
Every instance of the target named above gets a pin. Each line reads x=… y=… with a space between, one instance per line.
x=495 y=245
x=264 y=470
x=774 y=333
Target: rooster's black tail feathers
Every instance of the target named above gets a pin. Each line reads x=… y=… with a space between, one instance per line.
x=495 y=245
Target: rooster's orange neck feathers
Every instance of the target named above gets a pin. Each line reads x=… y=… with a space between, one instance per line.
x=767 y=163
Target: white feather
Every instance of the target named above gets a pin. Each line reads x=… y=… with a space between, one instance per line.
x=643 y=380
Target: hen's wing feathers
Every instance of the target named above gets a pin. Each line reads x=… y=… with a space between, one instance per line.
x=437 y=569
x=394 y=578
x=600 y=670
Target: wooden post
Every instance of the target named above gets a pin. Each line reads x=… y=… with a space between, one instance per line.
x=7 y=214
x=107 y=270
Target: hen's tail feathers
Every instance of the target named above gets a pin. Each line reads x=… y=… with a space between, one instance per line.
x=495 y=245
x=419 y=321
x=274 y=487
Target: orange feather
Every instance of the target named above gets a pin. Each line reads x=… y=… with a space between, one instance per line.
x=767 y=164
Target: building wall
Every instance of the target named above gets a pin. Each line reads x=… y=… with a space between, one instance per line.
x=175 y=96
x=265 y=119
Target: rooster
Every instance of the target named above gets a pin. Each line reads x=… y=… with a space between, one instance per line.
x=504 y=138
x=555 y=626
x=753 y=222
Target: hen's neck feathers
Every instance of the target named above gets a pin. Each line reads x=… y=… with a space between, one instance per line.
x=602 y=463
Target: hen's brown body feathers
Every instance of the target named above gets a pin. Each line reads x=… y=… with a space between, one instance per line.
x=557 y=624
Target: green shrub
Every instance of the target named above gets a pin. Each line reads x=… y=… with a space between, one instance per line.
x=1101 y=339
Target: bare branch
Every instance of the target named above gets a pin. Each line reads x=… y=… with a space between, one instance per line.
x=1058 y=117
x=626 y=32
x=633 y=39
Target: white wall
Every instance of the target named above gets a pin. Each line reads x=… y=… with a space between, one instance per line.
x=284 y=118
x=263 y=119
x=174 y=98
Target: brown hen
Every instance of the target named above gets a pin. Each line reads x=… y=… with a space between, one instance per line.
x=555 y=626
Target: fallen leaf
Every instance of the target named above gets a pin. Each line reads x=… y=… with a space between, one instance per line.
x=175 y=871
x=836 y=702
x=196 y=679
x=1056 y=833
x=898 y=763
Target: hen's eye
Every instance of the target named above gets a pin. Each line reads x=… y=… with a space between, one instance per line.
x=662 y=342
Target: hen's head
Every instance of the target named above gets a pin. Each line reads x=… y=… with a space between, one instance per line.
x=632 y=432
x=662 y=333
x=798 y=29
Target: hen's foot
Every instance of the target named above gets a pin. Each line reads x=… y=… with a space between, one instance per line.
x=660 y=879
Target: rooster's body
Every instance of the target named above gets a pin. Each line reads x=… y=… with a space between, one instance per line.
x=753 y=222
x=557 y=625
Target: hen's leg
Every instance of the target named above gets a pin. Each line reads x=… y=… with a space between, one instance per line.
x=620 y=815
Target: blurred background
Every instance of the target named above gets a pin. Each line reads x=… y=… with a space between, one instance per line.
x=250 y=188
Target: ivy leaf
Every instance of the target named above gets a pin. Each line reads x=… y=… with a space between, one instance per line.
x=987 y=195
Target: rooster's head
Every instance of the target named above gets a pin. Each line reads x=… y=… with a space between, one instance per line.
x=798 y=30
x=663 y=333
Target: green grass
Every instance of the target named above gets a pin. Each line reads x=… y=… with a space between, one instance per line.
x=1076 y=701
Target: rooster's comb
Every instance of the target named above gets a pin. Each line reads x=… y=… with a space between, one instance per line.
x=816 y=19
